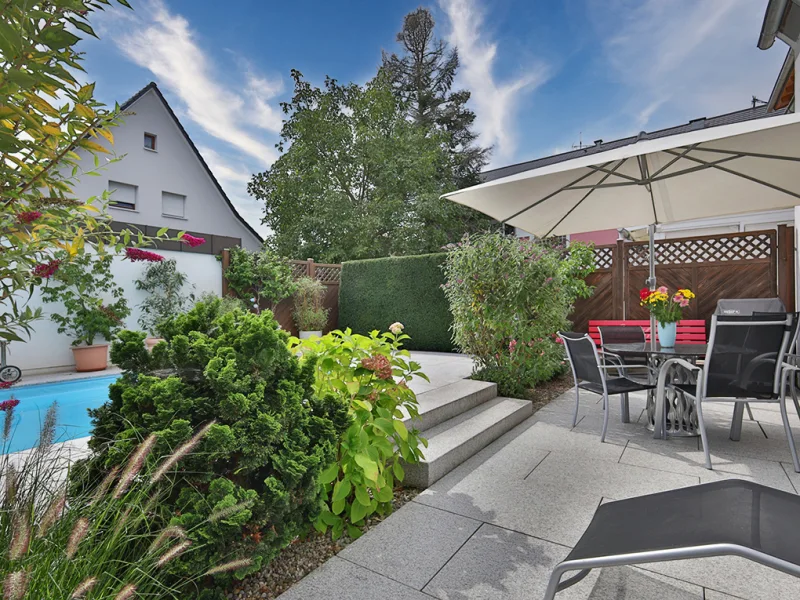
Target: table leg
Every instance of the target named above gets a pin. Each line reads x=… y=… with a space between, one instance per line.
x=736 y=423
x=625 y=410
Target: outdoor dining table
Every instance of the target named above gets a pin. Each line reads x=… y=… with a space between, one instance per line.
x=681 y=414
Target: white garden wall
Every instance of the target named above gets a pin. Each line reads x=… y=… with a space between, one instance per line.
x=47 y=350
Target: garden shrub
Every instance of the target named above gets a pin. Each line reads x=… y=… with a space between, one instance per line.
x=378 y=291
x=269 y=441
x=508 y=297
x=369 y=373
x=166 y=296
x=259 y=277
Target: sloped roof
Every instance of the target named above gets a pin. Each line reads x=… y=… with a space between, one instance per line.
x=738 y=116
x=152 y=86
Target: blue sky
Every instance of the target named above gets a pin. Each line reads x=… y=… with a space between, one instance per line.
x=543 y=73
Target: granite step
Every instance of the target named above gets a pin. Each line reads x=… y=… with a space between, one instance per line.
x=446 y=402
x=453 y=441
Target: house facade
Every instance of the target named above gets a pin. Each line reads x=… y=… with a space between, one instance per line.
x=163 y=181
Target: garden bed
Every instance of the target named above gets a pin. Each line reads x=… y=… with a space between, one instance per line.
x=548 y=391
x=302 y=557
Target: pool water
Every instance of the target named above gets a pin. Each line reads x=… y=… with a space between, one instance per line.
x=73 y=398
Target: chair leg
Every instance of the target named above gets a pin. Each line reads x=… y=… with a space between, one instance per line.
x=749 y=411
x=789 y=436
x=794 y=396
x=605 y=417
x=625 y=408
x=577 y=402
x=703 y=436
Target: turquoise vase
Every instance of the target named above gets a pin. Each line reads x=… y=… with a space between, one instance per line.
x=666 y=334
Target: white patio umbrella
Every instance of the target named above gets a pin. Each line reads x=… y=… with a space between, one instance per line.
x=728 y=169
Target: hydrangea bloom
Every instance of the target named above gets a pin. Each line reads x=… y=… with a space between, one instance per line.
x=137 y=254
x=396 y=328
x=46 y=270
x=28 y=216
x=192 y=241
x=378 y=364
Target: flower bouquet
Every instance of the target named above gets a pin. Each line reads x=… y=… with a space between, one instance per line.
x=667 y=309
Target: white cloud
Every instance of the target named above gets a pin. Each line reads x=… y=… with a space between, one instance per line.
x=165 y=44
x=494 y=102
x=683 y=59
x=223 y=170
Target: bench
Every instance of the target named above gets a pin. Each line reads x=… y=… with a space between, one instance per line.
x=690 y=331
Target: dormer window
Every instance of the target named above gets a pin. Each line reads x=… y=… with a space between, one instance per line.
x=150 y=141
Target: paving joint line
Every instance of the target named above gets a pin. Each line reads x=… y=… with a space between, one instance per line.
x=503 y=527
x=619 y=460
x=791 y=483
x=384 y=575
x=536 y=465
x=447 y=562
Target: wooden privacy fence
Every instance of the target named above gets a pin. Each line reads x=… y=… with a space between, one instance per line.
x=328 y=274
x=755 y=264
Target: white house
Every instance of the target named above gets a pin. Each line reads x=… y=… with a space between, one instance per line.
x=162 y=181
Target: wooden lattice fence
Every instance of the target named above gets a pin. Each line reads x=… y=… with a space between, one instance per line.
x=328 y=274
x=757 y=264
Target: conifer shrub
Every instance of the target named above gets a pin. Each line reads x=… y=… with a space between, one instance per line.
x=269 y=440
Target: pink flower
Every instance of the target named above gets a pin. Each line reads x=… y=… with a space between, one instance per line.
x=28 y=217
x=8 y=404
x=46 y=270
x=684 y=303
x=512 y=345
x=663 y=289
x=137 y=254
x=192 y=241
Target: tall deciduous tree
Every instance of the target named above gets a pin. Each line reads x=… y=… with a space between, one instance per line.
x=357 y=178
x=423 y=76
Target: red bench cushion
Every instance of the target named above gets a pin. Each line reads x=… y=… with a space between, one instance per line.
x=690 y=331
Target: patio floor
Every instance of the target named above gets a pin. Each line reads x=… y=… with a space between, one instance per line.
x=496 y=526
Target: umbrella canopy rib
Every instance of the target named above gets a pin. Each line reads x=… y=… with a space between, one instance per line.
x=550 y=195
x=586 y=195
x=742 y=175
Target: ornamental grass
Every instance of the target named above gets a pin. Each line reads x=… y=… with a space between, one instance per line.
x=113 y=543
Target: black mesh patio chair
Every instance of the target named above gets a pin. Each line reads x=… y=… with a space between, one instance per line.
x=589 y=373
x=746 y=360
x=731 y=517
x=624 y=334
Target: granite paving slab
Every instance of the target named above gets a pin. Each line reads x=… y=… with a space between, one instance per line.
x=412 y=544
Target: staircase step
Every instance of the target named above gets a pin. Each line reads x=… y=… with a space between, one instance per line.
x=446 y=402
x=454 y=441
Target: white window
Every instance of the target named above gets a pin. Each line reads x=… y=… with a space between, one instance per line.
x=150 y=141
x=173 y=205
x=123 y=195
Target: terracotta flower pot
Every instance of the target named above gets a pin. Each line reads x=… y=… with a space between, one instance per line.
x=90 y=358
x=151 y=342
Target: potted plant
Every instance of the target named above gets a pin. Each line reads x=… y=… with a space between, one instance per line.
x=667 y=309
x=94 y=306
x=309 y=313
x=166 y=297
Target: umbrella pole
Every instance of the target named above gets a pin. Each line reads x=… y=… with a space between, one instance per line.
x=651 y=280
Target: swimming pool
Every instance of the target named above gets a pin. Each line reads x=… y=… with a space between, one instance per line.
x=73 y=398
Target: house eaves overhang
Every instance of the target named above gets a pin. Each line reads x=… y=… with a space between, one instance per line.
x=776 y=9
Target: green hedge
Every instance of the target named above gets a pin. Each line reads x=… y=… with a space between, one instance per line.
x=375 y=293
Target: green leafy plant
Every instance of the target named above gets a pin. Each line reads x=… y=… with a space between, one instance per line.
x=113 y=542
x=259 y=276
x=52 y=133
x=94 y=305
x=508 y=297
x=309 y=313
x=269 y=441
x=165 y=286
x=369 y=373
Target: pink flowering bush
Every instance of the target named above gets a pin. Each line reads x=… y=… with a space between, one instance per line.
x=192 y=241
x=28 y=217
x=137 y=254
x=508 y=297
x=46 y=270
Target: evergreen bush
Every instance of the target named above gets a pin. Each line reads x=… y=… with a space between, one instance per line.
x=269 y=441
